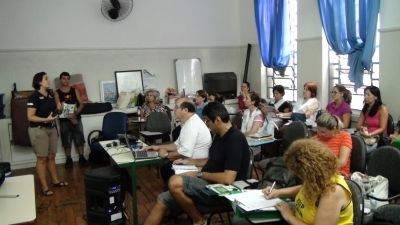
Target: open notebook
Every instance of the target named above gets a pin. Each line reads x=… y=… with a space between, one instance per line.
x=138 y=152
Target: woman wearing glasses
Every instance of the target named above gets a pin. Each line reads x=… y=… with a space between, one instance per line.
x=340 y=105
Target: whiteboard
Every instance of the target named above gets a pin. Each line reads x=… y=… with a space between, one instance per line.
x=188 y=76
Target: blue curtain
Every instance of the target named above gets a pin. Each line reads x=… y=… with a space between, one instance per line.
x=351 y=30
x=272 y=21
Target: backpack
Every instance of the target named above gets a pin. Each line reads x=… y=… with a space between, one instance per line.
x=275 y=170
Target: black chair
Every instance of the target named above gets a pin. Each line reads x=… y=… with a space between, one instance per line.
x=358 y=154
x=390 y=126
x=157 y=122
x=292 y=132
x=385 y=161
x=113 y=123
x=358 y=202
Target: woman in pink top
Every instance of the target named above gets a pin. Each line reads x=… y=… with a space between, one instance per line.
x=374 y=116
x=340 y=105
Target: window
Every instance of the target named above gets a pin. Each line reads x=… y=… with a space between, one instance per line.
x=339 y=74
x=288 y=79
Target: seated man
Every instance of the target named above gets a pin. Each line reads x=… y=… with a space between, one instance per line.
x=193 y=143
x=228 y=161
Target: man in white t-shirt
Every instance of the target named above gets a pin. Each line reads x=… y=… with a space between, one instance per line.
x=193 y=143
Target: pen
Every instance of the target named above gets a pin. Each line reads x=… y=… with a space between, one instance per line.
x=272 y=187
x=9 y=196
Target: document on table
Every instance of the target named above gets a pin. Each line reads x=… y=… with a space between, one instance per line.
x=252 y=200
x=184 y=168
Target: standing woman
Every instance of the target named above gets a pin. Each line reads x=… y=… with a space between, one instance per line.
x=340 y=105
x=41 y=115
x=374 y=115
x=253 y=118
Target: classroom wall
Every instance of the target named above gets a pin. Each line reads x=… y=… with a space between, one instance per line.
x=55 y=35
x=73 y=36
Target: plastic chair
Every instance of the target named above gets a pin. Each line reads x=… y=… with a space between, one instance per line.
x=157 y=122
x=358 y=154
x=358 y=202
x=113 y=123
x=292 y=132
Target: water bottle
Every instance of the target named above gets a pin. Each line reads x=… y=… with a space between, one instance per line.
x=138 y=111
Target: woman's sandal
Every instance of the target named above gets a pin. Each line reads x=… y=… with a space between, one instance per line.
x=48 y=192
x=61 y=184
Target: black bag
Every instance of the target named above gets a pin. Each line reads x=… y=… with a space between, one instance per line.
x=276 y=171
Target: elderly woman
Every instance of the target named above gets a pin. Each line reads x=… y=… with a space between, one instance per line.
x=374 y=115
x=339 y=142
x=340 y=104
x=253 y=118
x=310 y=104
x=324 y=197
x=152 y=103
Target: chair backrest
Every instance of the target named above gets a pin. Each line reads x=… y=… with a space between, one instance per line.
x=114 y=123
x=158 y=122
x=385 y=161
x=251 y=163
x=358 y=154
x=390 y=125
x=358 y=202
x=295 y=130
x=168 y=112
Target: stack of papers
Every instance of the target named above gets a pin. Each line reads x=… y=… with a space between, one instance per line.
x=253 y=200
x=184 y=168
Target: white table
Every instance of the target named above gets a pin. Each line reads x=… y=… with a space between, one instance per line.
x=17 y=209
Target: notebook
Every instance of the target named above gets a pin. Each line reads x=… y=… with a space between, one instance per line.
x=137 y=150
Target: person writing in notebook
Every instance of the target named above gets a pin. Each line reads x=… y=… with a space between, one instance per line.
x=324 y=197
x=193 y=143
x=229 y=158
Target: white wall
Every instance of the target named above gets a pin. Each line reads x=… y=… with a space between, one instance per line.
x=73 y=36
x=49 y=24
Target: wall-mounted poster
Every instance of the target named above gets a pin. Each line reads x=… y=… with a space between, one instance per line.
x=108 y=91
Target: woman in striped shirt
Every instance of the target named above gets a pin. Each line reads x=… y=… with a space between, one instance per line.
x=338 y=141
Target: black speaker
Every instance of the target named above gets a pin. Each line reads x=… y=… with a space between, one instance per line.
x=104 y=196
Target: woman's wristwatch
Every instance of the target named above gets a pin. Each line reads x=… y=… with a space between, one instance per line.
x=199 y=174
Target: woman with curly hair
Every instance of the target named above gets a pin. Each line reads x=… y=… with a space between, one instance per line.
x=324 y=197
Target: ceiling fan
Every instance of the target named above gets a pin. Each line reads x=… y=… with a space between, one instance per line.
x=116 y=10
